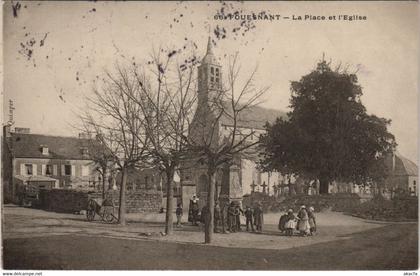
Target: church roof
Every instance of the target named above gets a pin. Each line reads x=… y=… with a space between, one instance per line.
x=403 y=166
x=252 y=117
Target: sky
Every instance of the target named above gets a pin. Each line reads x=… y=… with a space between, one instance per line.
x=56 y=52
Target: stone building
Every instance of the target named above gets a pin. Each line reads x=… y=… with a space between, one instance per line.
x=402 y=174
x=232 y=181
x=45 y=161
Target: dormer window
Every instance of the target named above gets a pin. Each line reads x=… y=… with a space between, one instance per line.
x=44 y=150
x=84 y=151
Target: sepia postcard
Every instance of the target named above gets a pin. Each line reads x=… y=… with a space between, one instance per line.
x=200 y=136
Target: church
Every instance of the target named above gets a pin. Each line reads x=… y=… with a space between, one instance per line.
x=233 y=181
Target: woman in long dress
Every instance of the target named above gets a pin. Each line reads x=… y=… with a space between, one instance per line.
x=312 y=220
x=303 y=225
x=290 y=224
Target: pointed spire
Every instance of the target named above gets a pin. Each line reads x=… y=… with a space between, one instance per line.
x=209 y=47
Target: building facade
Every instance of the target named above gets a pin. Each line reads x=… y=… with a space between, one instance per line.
x=402 y=174
x=46 y=162
x=242 y=176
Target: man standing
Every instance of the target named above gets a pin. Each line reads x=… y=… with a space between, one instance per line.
x=232 y=217
x=179 y=213
x=194 y=210
x=225 y=217
x=259 y=217
x=217 y=217
x=249 y=213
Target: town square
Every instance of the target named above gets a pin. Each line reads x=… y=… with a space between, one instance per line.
x=194 y=136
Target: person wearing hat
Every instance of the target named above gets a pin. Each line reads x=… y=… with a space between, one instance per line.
x=259 y=217
x=303 y=224
x=311 y=220
x=193 y=211
x=248 y=216
x=290 y=223
x=225 y=220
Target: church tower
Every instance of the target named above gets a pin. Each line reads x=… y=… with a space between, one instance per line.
x=209 y=76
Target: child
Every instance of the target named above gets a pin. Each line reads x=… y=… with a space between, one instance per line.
x=290 y=224
x=303 y=224
x=179 y=214
x=312 y=221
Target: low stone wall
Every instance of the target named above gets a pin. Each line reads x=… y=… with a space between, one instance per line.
x=70 y=201
x=63 y=201
x=144 y=201
x=335 y=202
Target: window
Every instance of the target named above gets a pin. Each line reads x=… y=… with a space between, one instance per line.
x=49 y=170
x=85 y=170
x=212 y=70
x=67 y=169
x=217 y=79
x=217 y=72
x=212 y=79
x=44 y=150
x=84 y=151
x=28 y=169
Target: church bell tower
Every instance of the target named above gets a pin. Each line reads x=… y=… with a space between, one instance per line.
x=209 y=76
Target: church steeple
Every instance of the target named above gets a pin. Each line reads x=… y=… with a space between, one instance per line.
x=209 y=47
x=209 y=74
x=210 y=58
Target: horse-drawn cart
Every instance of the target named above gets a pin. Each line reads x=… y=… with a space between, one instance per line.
x=103 y=207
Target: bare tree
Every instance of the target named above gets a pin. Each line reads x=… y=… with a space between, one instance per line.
x=102 y=159
x=114 y=119
x=216 y=146
x=166 y=98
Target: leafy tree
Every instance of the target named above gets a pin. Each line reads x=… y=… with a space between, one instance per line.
x=328 y=135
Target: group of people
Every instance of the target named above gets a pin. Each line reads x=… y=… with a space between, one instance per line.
x=304 y=222
x=227 y=218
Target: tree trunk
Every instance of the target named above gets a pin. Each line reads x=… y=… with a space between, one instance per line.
x=208 y=232
x=121 y=211
x=103 y=182
x=323 y=186
x=169 y=202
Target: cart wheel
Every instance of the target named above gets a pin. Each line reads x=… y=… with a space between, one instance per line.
x=90 y=211
x=109 y=217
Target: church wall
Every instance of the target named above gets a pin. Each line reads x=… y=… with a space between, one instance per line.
x=248 y=175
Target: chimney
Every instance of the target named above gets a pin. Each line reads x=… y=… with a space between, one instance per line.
x=6 y=131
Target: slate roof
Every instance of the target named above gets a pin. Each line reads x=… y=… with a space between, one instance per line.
x=403 y=166
x=59 y=147
x=253 y=117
